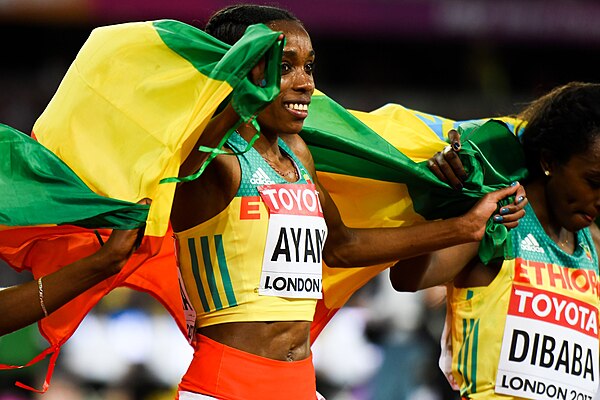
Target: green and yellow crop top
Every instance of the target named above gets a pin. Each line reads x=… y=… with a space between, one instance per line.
x=260 y=258
x=533 y=332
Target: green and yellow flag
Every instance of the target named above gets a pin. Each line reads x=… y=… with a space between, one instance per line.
x=373 y=165
x=135 y=100
x=128 y=111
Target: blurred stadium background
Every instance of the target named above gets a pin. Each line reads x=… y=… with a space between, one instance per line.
x=455 y=58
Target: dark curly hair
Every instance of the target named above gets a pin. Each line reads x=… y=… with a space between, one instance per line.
x=562 y=123
x=229 y=24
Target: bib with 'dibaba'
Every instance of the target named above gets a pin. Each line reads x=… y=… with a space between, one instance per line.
x=533 y=332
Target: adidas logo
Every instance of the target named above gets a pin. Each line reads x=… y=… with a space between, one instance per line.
x=260 y=177
x=586 y=250
x=530 y=244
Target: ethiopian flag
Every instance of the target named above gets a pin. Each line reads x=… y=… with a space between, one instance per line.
x=135 y=100
x=130 y=108
x=373 y=166
x=129 y=111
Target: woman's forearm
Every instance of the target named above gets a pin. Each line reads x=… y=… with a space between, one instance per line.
x=29 y=302
x=24 y=304
x=380 y=245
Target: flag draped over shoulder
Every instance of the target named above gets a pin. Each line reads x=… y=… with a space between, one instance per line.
x=128 y=111
x=135 y=100
x=373 y=166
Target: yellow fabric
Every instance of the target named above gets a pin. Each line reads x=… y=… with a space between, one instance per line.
x=369 y=206
x=402 y=128
x=114 y=101
x=368 y=203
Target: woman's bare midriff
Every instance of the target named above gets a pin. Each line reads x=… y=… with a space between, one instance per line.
x=280 y=340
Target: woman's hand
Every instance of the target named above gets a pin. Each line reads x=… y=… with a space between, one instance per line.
x=508 y=215
x=446 y=164
x=257 y=73
x=26 y=303
x=121 y=245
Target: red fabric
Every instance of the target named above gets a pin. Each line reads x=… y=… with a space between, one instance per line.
x=46 y=249
x=43 y=250
x=322 y=317
x=230 y=374
x=53 y=351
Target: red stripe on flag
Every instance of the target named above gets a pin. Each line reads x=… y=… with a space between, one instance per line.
x=44 y=250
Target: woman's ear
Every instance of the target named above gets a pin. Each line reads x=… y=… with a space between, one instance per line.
x=546 y=162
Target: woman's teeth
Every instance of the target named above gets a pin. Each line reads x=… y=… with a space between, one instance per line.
x=297 y=107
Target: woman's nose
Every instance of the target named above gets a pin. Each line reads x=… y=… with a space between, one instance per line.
x=304 y=81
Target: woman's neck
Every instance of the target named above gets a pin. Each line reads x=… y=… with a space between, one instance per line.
x=538 y=200
x=267 y=145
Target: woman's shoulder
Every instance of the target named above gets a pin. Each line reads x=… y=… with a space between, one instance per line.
x=294 y=141
x=595 y=231
x=298 y=146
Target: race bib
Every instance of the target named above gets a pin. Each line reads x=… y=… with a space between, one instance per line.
x=550 y=346
x=292 y=263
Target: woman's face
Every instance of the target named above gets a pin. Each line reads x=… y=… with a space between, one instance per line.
x=573 y=189
x=286 y=114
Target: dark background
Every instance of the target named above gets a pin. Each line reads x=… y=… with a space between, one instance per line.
x=455 y=58
x=459 y=59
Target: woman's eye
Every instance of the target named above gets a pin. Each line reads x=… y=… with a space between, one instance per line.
x=309 y=68
x=285 y=68
x=594 y=183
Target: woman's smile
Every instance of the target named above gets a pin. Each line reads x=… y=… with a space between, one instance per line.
x=299 y=110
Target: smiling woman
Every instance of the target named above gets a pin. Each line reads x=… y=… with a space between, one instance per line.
x=253 y=231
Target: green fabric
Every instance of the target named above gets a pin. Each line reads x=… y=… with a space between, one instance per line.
x=342 y=144
x=493 y=158
x=20 y=346
x=491 y=154
x=37 y=188
x=220 y=61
